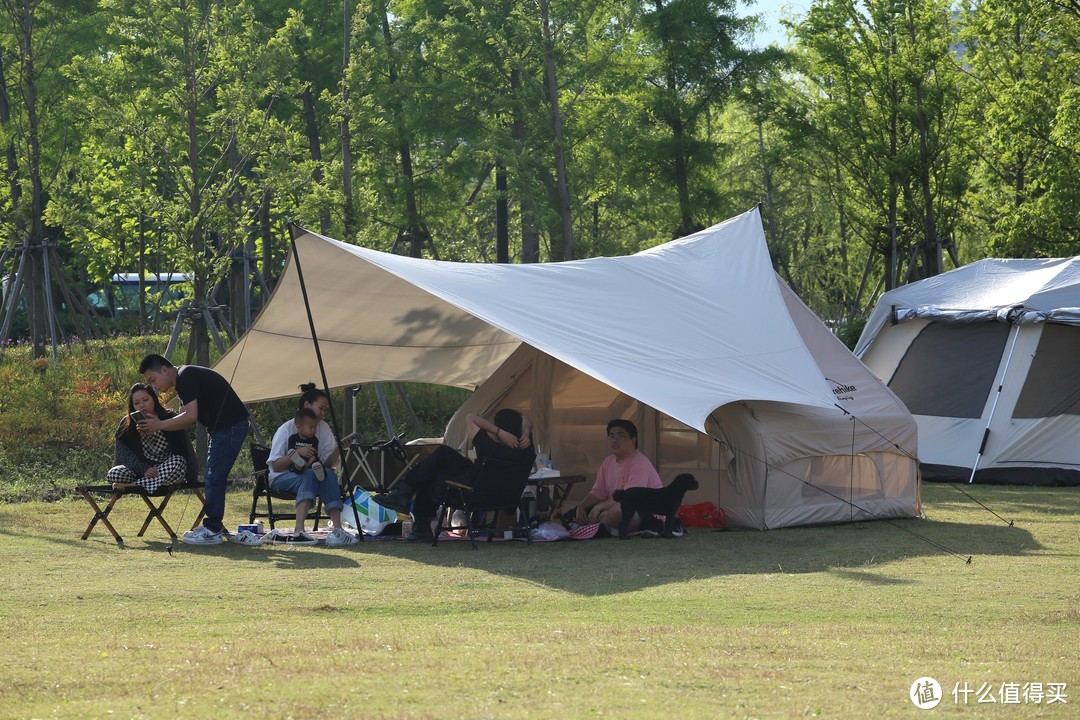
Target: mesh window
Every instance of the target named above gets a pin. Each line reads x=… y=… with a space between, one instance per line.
x=1052 y=386
x=948 y=370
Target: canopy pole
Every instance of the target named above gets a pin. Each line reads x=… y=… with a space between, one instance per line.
x=993 y=407
x=293 y=228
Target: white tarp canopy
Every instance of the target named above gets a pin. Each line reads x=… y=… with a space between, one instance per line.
x=990 y=346
x=685 y=327
x=697 y=340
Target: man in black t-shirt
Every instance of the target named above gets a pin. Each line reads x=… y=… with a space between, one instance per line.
x=507 y=438
x=206 y=397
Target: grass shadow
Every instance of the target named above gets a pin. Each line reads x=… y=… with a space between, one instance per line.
x=600 y=567
x=597 y=567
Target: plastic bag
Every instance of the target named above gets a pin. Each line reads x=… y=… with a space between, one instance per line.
x=702 y=515
x=549 y=531
x=373 y=517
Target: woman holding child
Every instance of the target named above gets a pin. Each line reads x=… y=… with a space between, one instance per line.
x=302 y=455
x=152 y=460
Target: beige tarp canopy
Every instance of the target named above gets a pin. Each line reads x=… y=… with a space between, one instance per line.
x=696 y=335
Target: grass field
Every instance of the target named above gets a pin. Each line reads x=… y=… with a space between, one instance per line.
x=833 y=622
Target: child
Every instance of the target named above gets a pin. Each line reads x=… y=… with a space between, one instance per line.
x=297 y=466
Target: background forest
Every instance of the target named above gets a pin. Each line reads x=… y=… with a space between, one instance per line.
x=889 y=141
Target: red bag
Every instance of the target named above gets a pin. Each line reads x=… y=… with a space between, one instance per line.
x=702 y=515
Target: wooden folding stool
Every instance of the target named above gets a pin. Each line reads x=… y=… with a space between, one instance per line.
x=119 y=490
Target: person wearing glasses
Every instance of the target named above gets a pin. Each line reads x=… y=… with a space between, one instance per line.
x=625 y=467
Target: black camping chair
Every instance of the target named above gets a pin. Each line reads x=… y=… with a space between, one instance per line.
x=260 y=473
x=492 y=492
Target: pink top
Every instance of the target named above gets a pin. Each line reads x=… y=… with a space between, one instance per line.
x=634 y=471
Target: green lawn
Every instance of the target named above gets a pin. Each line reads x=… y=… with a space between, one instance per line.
x=831 y=622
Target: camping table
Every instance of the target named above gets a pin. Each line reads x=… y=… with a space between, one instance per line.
x=561 y=486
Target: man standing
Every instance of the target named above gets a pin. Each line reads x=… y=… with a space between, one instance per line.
x=205 y=397
x=626 y=467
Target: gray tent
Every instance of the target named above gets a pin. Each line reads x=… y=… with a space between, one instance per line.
x=985 y=358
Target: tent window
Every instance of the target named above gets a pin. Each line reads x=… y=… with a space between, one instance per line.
x=684 y=448
x=948 y=370
x=1052 y=386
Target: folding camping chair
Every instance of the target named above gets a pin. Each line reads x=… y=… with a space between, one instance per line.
x=260 y=473
x=493 y=491
x=377 y=467
x=156 y=510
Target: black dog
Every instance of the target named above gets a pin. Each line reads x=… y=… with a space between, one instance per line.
x=647 y=502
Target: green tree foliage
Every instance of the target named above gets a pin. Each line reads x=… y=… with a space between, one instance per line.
x=185 y=135
x=697 y=57
x=182 y=104
x=1024 y=62
x=883 y=102
x=37 y=39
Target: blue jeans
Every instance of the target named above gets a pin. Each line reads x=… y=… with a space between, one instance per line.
x=306 y=486
x=224 y=446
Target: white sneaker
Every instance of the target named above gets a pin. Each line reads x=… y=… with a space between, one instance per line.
x=246 y=537
x=202 y=535
x=340 y=536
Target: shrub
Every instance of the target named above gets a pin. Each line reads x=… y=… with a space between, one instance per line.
x=57 y=419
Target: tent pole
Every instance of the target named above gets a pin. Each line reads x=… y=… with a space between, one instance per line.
x=993 y=407
x=387 y=420
x=293 y=228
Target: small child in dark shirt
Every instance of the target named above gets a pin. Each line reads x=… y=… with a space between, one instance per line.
x=306 y=424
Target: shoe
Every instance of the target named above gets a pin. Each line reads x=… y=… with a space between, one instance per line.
x=301 y=539
x=246 y=537
x=202 y=535
x=394 y=501
x=420 y=534
x=340 y=536
x=651 y=528
x=678 y=530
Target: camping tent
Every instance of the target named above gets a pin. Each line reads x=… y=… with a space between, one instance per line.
x=985 y=358
x=725 y=371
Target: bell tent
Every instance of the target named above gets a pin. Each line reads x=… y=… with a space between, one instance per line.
x=723 y=369
x=984 y=356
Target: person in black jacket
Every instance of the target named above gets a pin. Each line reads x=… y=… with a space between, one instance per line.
x=507 y=437
x=152 y=460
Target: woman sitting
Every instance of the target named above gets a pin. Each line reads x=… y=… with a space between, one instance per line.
x=508 y=437
x=154 y=460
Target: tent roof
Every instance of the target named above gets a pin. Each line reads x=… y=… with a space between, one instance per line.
x=684 y=327
x=981 y=289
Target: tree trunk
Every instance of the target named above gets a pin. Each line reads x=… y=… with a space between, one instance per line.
x=346 y=133
x=12 y=161
x=197 y=242
x=931 y=244
x=562 y=186
x=502 y=215
x=34 y=284
x=315 y=149
x=530 y=235
x=414 y=232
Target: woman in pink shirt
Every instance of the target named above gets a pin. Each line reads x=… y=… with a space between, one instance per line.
x=626 y=467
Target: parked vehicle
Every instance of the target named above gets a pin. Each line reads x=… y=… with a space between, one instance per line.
x=121 y=296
